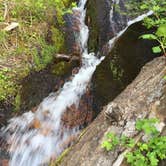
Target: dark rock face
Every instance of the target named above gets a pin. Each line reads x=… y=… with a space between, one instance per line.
x=121 y=66
x=38 y=85
x=105 y=18
x=72 y=29
x=98 y=23
x=144 y=97
x=118 y=20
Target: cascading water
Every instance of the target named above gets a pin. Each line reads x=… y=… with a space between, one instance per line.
x=35 y=146
x=137 y=19
x=114 y=2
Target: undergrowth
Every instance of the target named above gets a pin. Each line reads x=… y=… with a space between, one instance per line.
x=143 y=153
x=32 y=45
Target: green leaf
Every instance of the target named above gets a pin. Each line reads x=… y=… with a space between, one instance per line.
x=156 y=49
x=144 y=146
x=156 y=8
x=107 y=145
x=153 y=160
x=130 y=157
x=161 y=31
x=164 y=77
x=148 y=36
x=143 y=6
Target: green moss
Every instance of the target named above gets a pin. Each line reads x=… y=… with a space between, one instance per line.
x=65 y=152
x=29 y=47
x=17 y=102
x=60 y=158
x=61 y=68
x=8 y=87
x=57 y=38
x=116 y=71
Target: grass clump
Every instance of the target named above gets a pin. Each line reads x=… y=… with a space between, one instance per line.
x=32 y=45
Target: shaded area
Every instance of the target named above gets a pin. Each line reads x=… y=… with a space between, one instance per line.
x=145 y=97
x=122 y=65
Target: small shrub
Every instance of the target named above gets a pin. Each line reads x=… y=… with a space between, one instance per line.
x=143 y=153
x=158 y=21
x=111 y=142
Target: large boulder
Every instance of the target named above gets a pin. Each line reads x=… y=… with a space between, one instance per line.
x=144 y=97
x=121 y=65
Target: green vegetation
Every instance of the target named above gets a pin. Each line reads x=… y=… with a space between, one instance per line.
x=6 y=87
x=157 y=21
x=61 y=68
x=30 y=46
x=142 y=153
x=116 y=71
x=111 y=142
x=150 y=152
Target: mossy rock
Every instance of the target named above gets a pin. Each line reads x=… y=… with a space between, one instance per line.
x=61 y=68
x=93 y=26
x=122 y=65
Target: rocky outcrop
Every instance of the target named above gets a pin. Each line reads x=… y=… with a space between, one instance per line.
x=121 y=66
x=98 y=13
x=105 y=18
x=72 y=29
x=144 y=97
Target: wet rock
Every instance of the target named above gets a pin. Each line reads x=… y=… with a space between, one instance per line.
x=98 y=14
x=144 y=97
x=105 y=18
x=81 y=115
x=35 y=124
x=4 y=162
x=72 y=29
x=122 y=65
x=38 y=85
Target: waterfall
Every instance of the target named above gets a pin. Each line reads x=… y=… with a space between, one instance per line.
x=35 y=146
x=137 y=19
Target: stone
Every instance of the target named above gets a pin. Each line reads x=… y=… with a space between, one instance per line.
x=144 y=97
x=121 y=65
x=4 y=162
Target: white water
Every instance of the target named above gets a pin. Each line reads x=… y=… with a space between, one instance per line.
x=34 y=147
x=137 y=19
x=114 y=2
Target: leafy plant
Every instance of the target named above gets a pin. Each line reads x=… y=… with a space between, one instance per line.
x=144 y=153
x=111 y=142
x=148 y=153
x=158 y=8
x=147 y=126
x=157 y=20
x=160 y=36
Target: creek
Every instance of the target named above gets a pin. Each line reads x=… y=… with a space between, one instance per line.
x=35 y=138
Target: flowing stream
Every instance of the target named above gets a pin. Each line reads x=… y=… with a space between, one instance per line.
x=35 y=146
x=35 y=138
